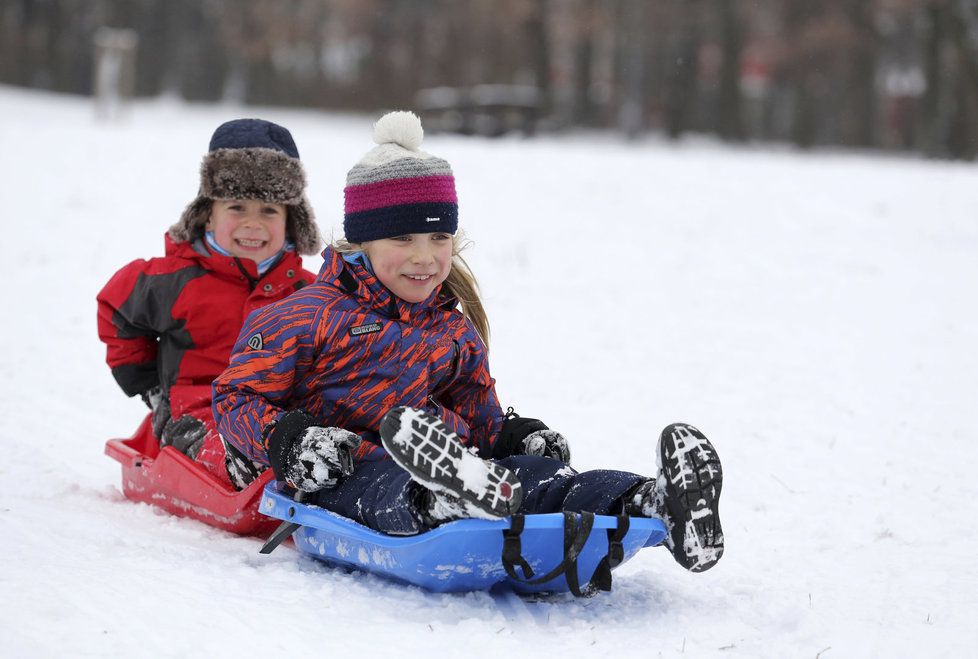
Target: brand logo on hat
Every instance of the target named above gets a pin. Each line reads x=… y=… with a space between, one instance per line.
x=432 y=219
x=366 y=329
x=255 y=342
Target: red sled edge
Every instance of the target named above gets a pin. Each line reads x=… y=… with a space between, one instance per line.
x=168 y=479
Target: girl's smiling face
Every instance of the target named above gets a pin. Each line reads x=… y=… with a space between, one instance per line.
x=412 y=266
x=247 y=228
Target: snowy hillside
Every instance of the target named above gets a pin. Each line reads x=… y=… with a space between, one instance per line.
x=813 y=314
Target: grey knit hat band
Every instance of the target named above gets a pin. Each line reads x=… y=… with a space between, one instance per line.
x=408 y=167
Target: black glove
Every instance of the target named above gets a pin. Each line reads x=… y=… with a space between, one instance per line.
x=185 y=434
x=525 y=436
x=157 y=401
x=307 y=456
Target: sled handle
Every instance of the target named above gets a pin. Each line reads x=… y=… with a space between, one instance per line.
x=285 y=529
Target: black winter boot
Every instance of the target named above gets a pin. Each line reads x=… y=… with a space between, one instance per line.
x=685 y=496
x=462 y=484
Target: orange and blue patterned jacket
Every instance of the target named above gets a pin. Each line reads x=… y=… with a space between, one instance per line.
x=346 y=350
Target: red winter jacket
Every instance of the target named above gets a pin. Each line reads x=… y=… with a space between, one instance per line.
x=173 y=320
x=346 y=350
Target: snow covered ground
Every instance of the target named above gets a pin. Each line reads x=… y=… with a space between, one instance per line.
x=814 y=314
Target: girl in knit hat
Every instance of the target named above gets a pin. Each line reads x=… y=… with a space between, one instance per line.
x=169 y=322
x=371 y=389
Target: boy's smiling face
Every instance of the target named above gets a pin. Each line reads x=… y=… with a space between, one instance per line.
x=247 y=228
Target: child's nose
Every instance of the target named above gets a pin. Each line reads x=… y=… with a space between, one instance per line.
x=423 y=254
x=251 y=219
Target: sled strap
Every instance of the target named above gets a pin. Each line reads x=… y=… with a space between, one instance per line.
x=601 y=579
x=574 y=539
x=513 y=549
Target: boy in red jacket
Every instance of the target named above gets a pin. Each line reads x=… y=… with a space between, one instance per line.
x=169 y=323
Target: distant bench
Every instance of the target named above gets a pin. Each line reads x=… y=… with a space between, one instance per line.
x=489 y=110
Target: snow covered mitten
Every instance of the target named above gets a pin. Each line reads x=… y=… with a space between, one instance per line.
x=185 y=434
x=525 y=436
x=547 y=443
x=310 y=457
x=462 y=483
x=685 y=496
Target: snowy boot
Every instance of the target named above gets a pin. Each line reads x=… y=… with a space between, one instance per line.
x=461 y=484
x=685 y=496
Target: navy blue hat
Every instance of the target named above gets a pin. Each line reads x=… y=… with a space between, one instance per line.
x=252 y=159
x=253 y=134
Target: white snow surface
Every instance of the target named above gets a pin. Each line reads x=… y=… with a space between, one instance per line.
x=813 y=314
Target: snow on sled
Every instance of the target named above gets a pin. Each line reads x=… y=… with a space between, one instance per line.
x=168 y=479
x=560 y=550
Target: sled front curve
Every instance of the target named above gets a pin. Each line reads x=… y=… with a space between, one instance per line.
x=459 y=556
x=168 y=479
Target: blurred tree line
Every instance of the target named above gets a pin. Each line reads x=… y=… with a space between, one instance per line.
x=891 y=74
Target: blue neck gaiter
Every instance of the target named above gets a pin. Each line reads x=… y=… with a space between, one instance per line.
x=263 y=266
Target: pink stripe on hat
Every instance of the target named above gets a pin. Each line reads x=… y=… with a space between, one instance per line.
x=399 y=192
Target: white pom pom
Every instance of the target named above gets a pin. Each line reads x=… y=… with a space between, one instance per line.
x=402 y=128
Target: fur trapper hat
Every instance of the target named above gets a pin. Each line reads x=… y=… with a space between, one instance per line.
x=252 y=159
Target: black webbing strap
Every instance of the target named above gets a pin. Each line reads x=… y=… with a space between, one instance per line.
x=575 y=537
x=601 y=579
x=570 y=534
x=513 y=550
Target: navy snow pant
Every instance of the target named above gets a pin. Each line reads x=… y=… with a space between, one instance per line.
x=381 y=495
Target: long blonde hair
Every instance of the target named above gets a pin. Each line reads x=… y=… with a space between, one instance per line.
x=460 y=283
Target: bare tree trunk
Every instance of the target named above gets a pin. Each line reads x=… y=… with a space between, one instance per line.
x=959 y=30
x=961 y=143
x=862 y=91
x=932 y=104
x=802 y=74
x=377 y=76
x=684 y=72
x=583 y=112
x=538 y=37
x=729 y=122
x=963 y=134
x=632 y=23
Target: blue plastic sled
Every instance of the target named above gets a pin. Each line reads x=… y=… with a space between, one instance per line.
x=459 y=556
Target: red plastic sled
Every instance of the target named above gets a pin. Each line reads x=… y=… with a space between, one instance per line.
x=168 y=479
